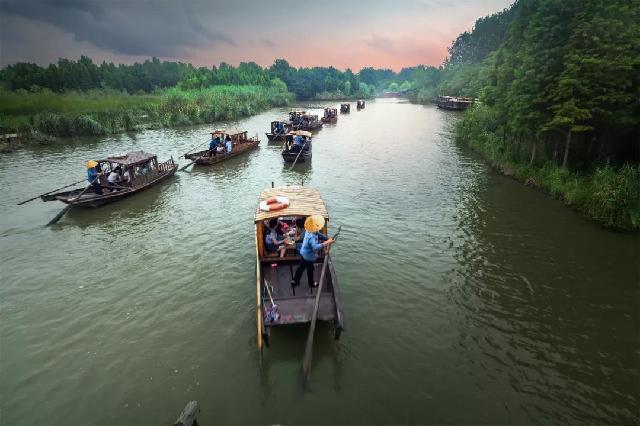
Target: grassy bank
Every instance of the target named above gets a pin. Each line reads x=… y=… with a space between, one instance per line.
x=609 y=195
x=42 y=116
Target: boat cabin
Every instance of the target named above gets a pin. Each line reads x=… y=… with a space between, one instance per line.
x=275 y=269
x=240 y=142
x=345 y=108
x=330 y=115
x=454 y=103
x=279 y=130
x=308 y=122
x=296 y=115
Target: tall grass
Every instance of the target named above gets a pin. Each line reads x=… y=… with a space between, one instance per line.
x=608 y=195
x=45 y=114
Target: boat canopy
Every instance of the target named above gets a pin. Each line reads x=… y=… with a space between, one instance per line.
x=301 y=133
x=130 y=158
x=230 y=132
x=303 y=201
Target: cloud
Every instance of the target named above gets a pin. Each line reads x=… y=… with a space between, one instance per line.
x=151 y=27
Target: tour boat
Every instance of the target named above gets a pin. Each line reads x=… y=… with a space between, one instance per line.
x=330 y=115
x=291 y=153
x=143 y=170
x=278 y=302
x=276 y=134
x=345 y=108
x=360 y=104
x=241 y=143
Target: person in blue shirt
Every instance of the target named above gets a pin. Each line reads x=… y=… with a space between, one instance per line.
x=93 y=176
x=213 y=145
x=311 y=245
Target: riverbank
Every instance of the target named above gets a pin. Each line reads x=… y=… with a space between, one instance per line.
x=608 y=195
x=43 y=116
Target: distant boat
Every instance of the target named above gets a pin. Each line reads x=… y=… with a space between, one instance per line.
x=345 y=108
x=277 y=134
x=360 y=104
x=454 y=103
x=330 y=115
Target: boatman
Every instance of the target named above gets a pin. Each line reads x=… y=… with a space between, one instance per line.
x=93 y=176
x=311 y=245
x=213 y=145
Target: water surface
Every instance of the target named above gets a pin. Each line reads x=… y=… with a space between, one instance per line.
x=469 y=298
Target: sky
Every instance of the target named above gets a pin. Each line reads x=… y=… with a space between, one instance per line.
x=340 y=33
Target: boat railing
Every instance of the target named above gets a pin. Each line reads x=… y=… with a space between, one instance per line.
x=142 y=180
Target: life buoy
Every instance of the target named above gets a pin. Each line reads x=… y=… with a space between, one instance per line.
x=274 y=203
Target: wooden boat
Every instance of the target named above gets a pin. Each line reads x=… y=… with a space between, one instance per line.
x=293 y=306
x=290 y=151
x=345 y=108
x=360 y=104
x=330 y=115
x=278 y=135
x=300 y=120
x=144 y=172
x=241 y=144
x=454 y=103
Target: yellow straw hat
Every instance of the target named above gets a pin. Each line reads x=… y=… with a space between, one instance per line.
x=91 y=164
x=314 y=223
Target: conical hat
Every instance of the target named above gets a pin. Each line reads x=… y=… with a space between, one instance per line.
x=314 y=223
x=91 y=164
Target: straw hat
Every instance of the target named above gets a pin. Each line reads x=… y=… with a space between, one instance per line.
x=91 y=164
x=314 y=223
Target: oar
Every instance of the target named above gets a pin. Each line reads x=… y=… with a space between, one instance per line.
x=46 y=193
x=63 y=211
x=297 y=156
x=191 y=149
x=308 y=350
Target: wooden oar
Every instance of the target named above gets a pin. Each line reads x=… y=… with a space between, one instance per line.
x=63 y=211
x=46 y=193
x=191 y=149
x=308 y=350
x=297 y=156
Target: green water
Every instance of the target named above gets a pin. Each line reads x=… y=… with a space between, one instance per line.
x=469 y=298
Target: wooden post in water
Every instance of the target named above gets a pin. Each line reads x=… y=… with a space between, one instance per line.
x=189 y=415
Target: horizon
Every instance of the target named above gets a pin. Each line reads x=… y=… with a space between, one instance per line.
x=42 y=31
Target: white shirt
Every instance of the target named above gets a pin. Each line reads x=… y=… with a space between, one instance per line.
x=113 y=177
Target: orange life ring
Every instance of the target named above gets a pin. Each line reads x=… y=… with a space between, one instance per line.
x=274 y=203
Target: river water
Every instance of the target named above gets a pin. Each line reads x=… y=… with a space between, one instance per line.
x=469 y=298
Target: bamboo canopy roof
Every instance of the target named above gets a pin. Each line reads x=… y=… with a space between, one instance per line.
x=230 y=132
x=301 y=133
x=303 y=201
x=130 y=158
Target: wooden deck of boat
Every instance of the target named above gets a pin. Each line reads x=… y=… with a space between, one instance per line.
x=297 y=308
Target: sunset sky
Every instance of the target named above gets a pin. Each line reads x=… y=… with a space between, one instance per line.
x=345 y=34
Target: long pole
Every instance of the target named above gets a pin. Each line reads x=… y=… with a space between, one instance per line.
x=308 y=350
x=297 y=156
x=53 y=190
x=63 y=211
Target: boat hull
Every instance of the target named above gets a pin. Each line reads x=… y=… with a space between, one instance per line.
x=204 y=158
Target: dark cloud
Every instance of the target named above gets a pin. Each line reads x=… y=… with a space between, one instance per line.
x=150 y=27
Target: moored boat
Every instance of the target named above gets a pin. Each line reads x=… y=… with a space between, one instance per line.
x=360 y=104
x=345 y=108
x=240 y=143
x=454 y=103
x=279 y=130
x=142 y=169
x=330 y=115
x=297 y=147
x=278 y=302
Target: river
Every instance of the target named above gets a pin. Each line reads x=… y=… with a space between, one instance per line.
x=469 y=298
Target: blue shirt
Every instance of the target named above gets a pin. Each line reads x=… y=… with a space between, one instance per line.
x=311 y=246
x=298 y=140
x=92 y=174
x=214 y=143
x=229 y=146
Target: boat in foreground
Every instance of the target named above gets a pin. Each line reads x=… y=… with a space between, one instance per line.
x=142 y=168
x=330 y=115
x=291 y=151
x=345 y=108
x=241 y=143
x=278 y=303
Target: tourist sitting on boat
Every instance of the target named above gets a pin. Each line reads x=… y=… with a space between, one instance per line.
x=282 y=227
x=93 y=176
x=126 y=177
x=213 y=145
x=311 y=245
x=114 y=177
x=228 y=144
x=273 y=241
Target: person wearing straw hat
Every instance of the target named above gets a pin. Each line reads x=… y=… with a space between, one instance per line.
x=310 y=248
x=93 y=176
